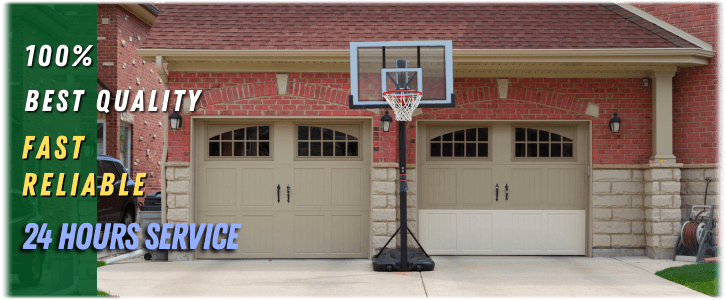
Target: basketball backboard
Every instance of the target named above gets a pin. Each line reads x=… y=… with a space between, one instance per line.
x=378 y=67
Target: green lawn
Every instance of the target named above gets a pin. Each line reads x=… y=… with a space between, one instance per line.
x=698 y=277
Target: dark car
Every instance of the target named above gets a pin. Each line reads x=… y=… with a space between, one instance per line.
x=115 y=208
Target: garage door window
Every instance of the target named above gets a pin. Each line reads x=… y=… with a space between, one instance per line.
x=314 y=141
x=471 y=142
x=532 y=142
x=250 y=141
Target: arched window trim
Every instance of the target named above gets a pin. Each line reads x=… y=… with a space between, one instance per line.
x=466 y=143
x=539 y=143
x=248 y=141
x=321 y=141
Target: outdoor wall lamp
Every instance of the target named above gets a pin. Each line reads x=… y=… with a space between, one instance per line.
x=386 y=121
x=175 y=120
x=615 y=123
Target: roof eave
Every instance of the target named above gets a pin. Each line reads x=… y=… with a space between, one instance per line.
x=142 y=12
x=683 y=57
x=666 y=26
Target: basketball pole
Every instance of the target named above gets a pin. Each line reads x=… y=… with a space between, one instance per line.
x=402 y=84
x=403 y=192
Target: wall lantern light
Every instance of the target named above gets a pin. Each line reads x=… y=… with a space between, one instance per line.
x=615 y=123
x=386 y=121
x=175 y=120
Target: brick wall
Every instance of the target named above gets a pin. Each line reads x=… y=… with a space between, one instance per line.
x=311 y=94
x=120 y=68
x=695 y=109
x=695 y=104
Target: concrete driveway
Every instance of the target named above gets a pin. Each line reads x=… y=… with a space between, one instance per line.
x=454 y=276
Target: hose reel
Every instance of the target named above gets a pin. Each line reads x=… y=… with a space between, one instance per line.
x=692 y=232
x=697 y=238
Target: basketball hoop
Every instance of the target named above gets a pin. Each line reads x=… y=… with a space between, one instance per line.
x=403 y=102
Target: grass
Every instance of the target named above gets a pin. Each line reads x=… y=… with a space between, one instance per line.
x=100 y=264
x=698 y=277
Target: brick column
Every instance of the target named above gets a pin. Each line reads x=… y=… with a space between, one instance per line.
x=177 y=202
x=618 y=214
x=662 y=209
x=383 y=204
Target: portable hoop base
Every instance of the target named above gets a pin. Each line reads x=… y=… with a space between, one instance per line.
x=390 y=261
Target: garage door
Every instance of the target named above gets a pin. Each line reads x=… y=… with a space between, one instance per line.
x=299 y=189
x=503 y=189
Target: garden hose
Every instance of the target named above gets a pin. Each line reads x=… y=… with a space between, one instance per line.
x=690 y=232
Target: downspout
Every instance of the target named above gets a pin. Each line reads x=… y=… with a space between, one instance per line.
x=165 y=80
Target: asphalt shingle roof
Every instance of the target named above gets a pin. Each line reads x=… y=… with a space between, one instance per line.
x=469 y=26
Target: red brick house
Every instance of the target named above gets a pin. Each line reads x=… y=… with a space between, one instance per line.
x=135 y=138
x=276 y=76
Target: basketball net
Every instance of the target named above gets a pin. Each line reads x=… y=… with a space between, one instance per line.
x=403 y=102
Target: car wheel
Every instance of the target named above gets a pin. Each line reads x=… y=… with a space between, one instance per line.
x=127 y=219
x=31 y=276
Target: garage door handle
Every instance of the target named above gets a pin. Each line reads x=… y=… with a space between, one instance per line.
x=506 y=192
x=278 y=193
x=497 y=188
x=288 y=193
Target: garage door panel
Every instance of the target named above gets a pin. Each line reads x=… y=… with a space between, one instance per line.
x=310 y=187
x=439 y=234
x=560 y=190
x=439 y=187
x=475 y=232
x=477 y=189
x=503 y=232
x=543 y=212
x=328 y=215
x=346 y=187
x=258 y=187
x=525 y=232
x=561 y=231
x=220 y=188
x=525 y=187
x=310 y=235
x=347 y=234
x=258 y=234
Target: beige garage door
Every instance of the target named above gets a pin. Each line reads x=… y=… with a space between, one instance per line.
x=503 y=189
x=325 y=166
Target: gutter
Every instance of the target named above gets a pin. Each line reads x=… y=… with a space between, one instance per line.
x=673 y=56
x=165 y=148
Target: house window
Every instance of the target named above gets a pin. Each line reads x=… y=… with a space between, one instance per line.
x=101 y=137
x=471 y=142
x=531 y=142
x=251 y=141
x=314 y=141
x=125 y=138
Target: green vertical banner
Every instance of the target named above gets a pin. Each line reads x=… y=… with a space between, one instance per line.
x=47 y=46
